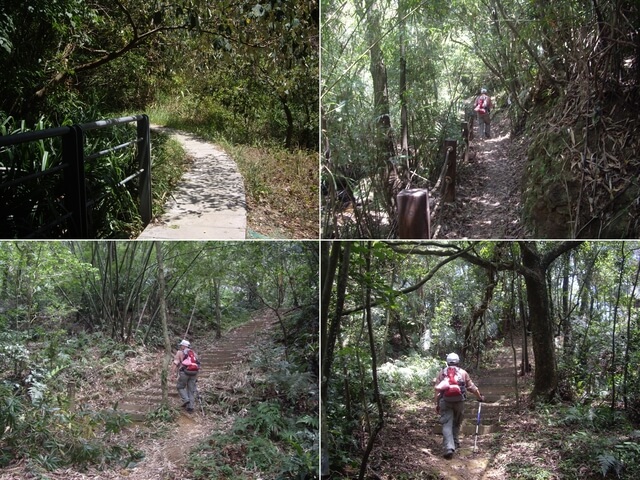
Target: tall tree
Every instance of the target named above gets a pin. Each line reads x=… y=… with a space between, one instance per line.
x=163 y=318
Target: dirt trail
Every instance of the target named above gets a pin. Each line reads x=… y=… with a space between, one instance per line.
x=488 y=190
x=410 y=445
x=222 y=363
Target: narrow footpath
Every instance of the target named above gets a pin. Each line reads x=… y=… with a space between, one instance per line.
x=209 y=203
x=410 y=445
x=488 y=190
x=225 y=370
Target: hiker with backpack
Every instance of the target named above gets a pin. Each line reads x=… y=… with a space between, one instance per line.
x=452 y=384
x=186 y=366
x=483 y=106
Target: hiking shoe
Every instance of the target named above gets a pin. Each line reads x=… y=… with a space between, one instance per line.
x=189 y=409
x=448 y=454
x=185 y=404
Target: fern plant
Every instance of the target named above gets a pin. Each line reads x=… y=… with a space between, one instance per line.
x=263 y=419
x=609 y=463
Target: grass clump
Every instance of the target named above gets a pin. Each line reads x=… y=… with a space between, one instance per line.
x=169 y=162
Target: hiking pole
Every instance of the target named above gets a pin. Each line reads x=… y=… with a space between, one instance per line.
x=475 y=443
x=199 y=398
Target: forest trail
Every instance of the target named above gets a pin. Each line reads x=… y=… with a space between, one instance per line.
x=488 y=190
x=209 y=203
x=410 y=444
x=224 y=372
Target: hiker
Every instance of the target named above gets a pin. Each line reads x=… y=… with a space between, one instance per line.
x=451 y=385
x=483 y=106
x=185 y=367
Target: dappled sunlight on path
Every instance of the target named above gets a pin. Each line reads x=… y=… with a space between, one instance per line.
x=410 y=444
x=209 y=203
x=488 y=192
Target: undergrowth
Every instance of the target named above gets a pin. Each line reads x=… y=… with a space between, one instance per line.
x=40 y=422
x=572 y=442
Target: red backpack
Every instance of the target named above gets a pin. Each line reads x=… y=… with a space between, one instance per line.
x=456 y=383
x=190 y=364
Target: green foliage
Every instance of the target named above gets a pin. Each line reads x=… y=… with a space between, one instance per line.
x=597 y=418
x=53 y=437
x=408 y=374
x=609 y=463
x=162 y=414
x=264 y=419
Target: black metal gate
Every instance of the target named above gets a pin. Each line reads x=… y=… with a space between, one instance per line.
x=67 y=210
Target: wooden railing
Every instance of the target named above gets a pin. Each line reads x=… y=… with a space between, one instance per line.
x=414 y=210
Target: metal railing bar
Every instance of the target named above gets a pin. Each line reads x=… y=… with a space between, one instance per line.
x=33 y=176
x=102 y=153
x=8 y=140
x=130 y=177
x=109 y=122
x=46 y=227
x=121 y=183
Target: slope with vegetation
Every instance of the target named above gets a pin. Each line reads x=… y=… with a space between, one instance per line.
x=85 y=324
x=399 y=77
x=392 y=311
x=244 y=73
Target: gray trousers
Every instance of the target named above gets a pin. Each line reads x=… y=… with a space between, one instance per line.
x=484 y=124
x=451 y=414
x=187 y=388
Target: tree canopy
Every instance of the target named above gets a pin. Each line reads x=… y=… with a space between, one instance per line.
x=71 y=60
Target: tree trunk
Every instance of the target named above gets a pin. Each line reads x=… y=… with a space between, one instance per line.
x=329 y=332
x=287 y=111
x=404 y=121
x=165 y=330
x=546 y=379
x=374 y=371
x=534 y=270
x=615 y=324
x=631 y=305
x=384 y=137
x=218 y=313
x=567 y=338
x=524 y=318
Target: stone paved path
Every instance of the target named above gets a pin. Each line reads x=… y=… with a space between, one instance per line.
x=209 y=203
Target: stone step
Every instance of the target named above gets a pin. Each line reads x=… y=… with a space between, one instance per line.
x=219 y=356
x=470 y=429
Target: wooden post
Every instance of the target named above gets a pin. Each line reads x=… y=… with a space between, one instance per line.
x=71 y=395
x=413 y=214
x=465 y=131
x=449 y=183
